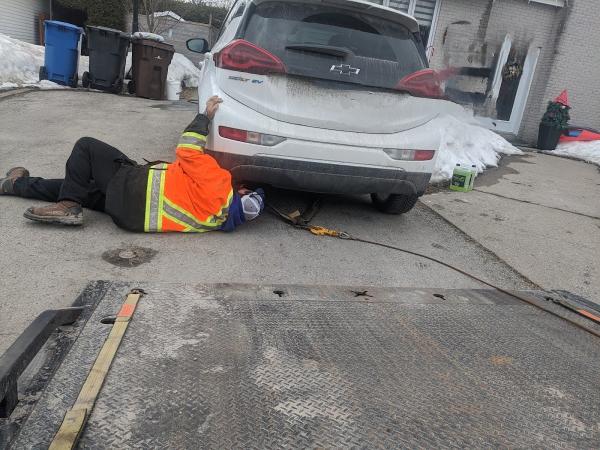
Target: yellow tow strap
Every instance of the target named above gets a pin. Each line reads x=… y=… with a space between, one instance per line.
x=75 y=418
x=322 y=231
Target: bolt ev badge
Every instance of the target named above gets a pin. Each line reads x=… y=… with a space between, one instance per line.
x=345 y=69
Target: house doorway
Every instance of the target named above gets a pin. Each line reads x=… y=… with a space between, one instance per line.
x=510 y=86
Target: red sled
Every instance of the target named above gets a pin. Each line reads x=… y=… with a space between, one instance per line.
x=579 y=134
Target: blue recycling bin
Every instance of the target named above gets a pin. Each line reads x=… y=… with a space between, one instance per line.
x=62 y=53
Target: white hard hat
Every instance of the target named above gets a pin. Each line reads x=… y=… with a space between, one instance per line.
x=252 y=205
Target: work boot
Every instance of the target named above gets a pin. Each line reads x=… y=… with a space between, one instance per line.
x=64 y=212
x=6 y=183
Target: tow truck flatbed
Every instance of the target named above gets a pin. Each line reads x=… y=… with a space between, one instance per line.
x=253 y=366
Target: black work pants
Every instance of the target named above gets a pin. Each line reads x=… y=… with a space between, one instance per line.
x=89 y=169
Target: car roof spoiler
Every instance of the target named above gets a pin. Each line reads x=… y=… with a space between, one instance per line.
x=364 y=6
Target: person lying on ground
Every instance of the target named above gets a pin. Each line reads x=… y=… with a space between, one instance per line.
x=192 y=194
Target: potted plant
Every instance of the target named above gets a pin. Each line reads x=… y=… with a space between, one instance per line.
x=554 y=122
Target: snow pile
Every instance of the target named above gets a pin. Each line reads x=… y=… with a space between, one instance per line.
x=20 y=64
x=46 y=85
x=183 y=70
x=587 y=151
x=146 y=35
x=170 y=14
x=466 y=143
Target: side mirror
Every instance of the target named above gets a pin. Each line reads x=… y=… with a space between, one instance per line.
x=197 y=45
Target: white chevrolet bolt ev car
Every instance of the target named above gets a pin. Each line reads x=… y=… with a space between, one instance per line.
x=327 y=96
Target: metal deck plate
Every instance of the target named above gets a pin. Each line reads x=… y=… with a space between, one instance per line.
x=231 y=366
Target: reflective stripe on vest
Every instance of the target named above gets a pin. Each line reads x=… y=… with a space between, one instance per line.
x=185 y=219
x=157 y=206
x=154 y=198
x=191 y=140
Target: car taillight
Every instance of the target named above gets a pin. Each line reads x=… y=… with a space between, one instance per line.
x=233 y=133
x=424 y=83
x=243 y=56
x=251 y=137
x=410 y=155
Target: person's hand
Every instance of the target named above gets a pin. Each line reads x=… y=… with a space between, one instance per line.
x=212 y=104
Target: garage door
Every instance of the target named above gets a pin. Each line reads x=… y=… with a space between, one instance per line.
x=18 y=18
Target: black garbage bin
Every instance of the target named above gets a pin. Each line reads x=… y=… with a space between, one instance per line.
x=150 y=62
x=108 y=52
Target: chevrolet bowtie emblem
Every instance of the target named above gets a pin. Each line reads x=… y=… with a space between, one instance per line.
x=345 y=69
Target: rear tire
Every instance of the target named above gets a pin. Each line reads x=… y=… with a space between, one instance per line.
x=43 y=73
x=74 y=81
x=394 y=203
x=131 y=87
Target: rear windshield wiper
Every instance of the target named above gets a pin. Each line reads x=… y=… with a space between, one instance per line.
x=323 y=49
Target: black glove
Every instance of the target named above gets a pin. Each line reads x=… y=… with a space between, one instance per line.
x=199 y=125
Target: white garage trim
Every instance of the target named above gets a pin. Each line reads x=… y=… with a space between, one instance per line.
x=19 y=18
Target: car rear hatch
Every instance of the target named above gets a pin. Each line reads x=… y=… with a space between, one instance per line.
x=338 y=66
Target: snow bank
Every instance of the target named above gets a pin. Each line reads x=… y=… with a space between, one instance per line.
x=465 y=142
x=20 y=64
x=184 y=70
x=586 y=151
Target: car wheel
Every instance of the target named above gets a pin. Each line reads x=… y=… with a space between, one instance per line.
x=131 y=87
x=394 y=203
x=74 y=81
x=43 y=73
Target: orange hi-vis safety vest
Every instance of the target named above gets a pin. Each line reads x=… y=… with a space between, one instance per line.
x=192 y=194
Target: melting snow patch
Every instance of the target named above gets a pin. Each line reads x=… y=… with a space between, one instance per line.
x=20 y=64
x=466 y=143
x=183 y=70
x=19 y=61
x=586 y=151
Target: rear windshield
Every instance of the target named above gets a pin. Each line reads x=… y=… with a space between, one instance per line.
x=327 y=42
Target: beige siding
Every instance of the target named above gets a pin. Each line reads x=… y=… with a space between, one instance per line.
x=19 y=18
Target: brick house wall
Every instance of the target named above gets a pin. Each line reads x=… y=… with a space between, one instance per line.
x=577 y=63
x=469 y=33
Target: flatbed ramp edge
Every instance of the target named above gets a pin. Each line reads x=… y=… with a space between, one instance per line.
x=248 y=366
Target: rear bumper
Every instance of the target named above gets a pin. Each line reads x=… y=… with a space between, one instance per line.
x=320 y=177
